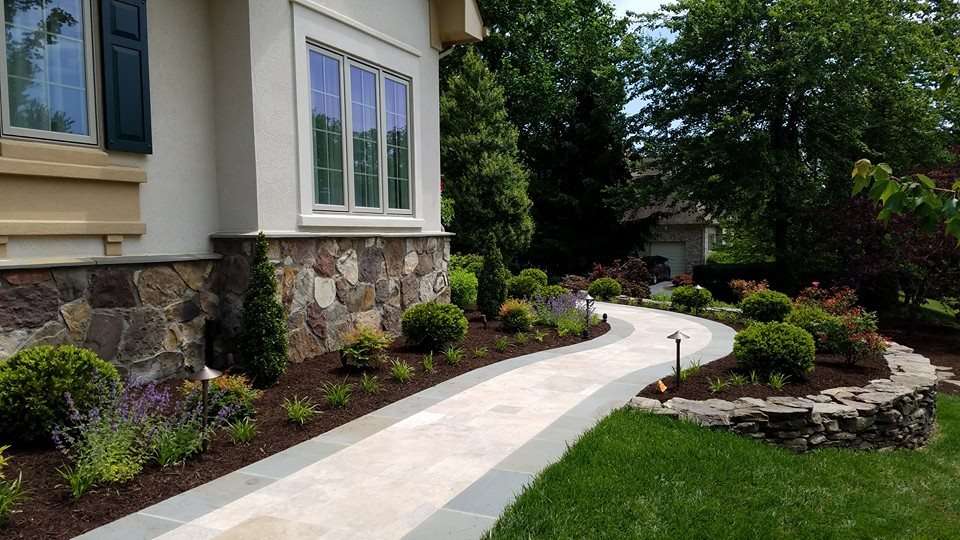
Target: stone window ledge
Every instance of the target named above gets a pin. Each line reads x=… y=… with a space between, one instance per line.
x=66 y=262
x=356 y=220
x=354 y=234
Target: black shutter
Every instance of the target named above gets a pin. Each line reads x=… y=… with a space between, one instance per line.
x=126 y=76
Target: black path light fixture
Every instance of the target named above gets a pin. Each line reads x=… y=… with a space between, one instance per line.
x=588 y=302
x=679 y=337
x=204 y=375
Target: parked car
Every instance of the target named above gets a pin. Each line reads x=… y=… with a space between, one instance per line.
x=658 y=267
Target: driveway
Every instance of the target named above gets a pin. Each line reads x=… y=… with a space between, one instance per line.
x=442 y=463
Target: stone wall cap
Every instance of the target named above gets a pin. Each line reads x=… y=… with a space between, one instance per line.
x=46 y=263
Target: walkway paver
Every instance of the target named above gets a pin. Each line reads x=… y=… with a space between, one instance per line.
x=442 y=463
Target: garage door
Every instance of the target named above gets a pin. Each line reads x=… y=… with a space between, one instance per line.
x=674 y=252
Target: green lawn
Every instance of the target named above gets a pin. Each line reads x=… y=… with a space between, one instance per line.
x=642 y=476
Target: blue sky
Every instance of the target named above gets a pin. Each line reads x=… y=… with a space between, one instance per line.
x=639 y=6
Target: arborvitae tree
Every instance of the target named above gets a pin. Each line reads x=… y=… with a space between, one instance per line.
x=481 y=168
x=263 y=337
x=492 y=289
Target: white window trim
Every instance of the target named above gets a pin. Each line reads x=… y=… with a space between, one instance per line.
x=314 y=214
x=93 y=119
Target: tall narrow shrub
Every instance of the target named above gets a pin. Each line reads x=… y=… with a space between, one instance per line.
x=263 y=338
x=492 y=290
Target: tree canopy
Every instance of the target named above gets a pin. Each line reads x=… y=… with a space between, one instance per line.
x=755 y=109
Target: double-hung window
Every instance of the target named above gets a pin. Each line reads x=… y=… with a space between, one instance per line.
x=360 y=118
x=47 y=80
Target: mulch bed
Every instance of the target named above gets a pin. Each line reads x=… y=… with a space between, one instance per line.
x=50 y=513
x=941 y=344
x=830 y=372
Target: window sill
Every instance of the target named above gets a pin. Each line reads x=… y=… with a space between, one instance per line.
x=359 y=220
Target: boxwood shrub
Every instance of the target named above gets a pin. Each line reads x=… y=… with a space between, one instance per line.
x=605 y=288
x=827 y=329
x=33 y=387
x=463 y=288
x=523 y=286
x=690 y=298
x=433 y=325
x=775 y=347
x=538 y=275
x=766 y=306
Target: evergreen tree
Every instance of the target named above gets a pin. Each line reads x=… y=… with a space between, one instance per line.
x=263 y=335
x=481 y=168
x=492 y=289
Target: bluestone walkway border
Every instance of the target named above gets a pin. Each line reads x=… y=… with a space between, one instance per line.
x=444 y=462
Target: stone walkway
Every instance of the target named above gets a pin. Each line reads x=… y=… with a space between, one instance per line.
x=439 y=464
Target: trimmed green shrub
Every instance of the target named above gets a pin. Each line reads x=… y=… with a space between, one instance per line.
x=516 y=316
x=539 y=275
x=470 y=262
x=463 y=288
x=766 y=306
x=827 y=329
x=263 y=331
x=605 y=288
x=552 y=291
x=33 y=387
x=775 y=347
x=523 y=287
x=492 y=288
x=433 y=325
x=363 y=347
x=690 y=298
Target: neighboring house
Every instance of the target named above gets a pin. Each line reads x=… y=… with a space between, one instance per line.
x=144 y=144
x=684 y=237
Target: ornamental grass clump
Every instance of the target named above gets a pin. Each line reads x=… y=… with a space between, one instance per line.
x=433 y=325
x=263 y=329
x=516 y=316
x=12 y=492
x=766 y=306
x=33 y=383
x=299 y=410
x=775 y=347
x=364 y=347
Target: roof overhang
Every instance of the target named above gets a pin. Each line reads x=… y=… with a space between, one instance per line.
x=455 y=21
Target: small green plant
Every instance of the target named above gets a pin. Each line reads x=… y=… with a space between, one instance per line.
x=516 y=315
x=242 y=431
x=231 y=392
x=695 y=367
x=11 y=491
x=778 y=380
x=454 y=355
x=363 y=347
x=481 y=352
x=370 y=384
x=501 y=344
x=174 y=444
x=80 y=478
x=521 y=338
x=427 y=363
x=738 y=379
x=539 y=336
x=717 y=385
x=337 y=394
x=605 y=288
x=433 y=325
x=766 y=306
x=754 y=377
x=572 y=322
x=299 y=410
x=263 y=328
x=401 y=371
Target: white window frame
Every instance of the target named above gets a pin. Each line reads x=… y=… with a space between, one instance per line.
x=93 y=119
x=380 y=73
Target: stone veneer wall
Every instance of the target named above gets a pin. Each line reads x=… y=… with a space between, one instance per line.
x=148 y=319
x=330 y=285
x=898 y=412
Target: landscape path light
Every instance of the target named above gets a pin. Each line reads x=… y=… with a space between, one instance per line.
x=679 y=337
x=205 y=375
x=589 y=302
